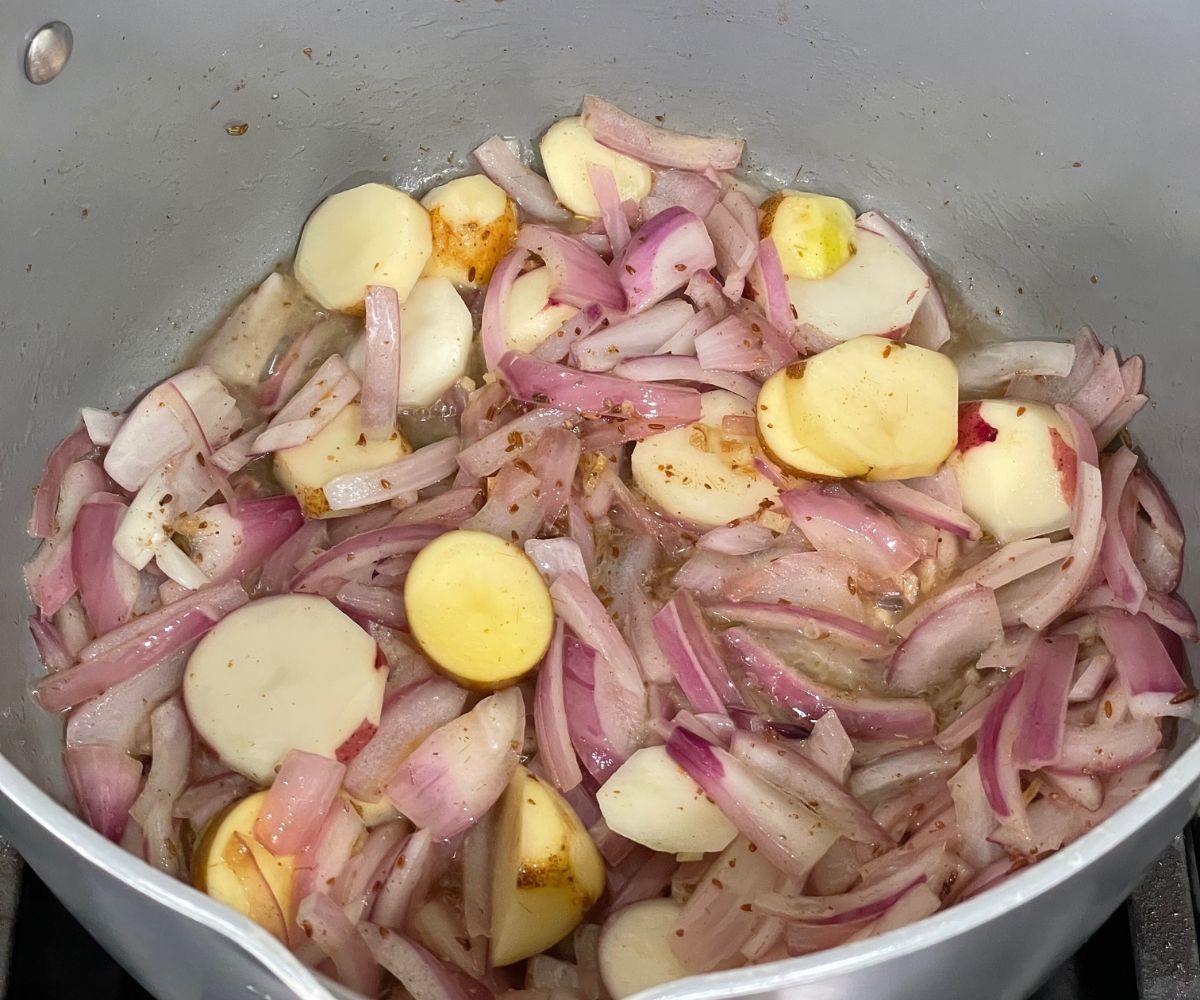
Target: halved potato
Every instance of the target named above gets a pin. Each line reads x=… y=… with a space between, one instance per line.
x=473 y=224
x=568 y=149
x=814 y=233
x=547 y=872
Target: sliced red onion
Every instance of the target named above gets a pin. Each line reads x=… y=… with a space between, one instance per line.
x=170 y=760
x=976 y=821
x=718 y=918
x=493 y=335
x=152 y=433
x=1014 y=561
x=201 y=802
x=361 y=551
x=580 y=276
x=820 y=580
x=412 y=473
x=669 y=367
x=616 y=225
x=363 y=602
x=138 y=645
x=52 y=650
x=833 y=521
x=279 y=568
x=381 y=368
x=72 y=448
x=1143 y=664
x=621 y=131
x=461 y=769
x=1116 y=559
x=584 y=323
x=1159 y=549
x=967 y=724
x=512 y=511
x=330 y=390
x=297 y=802
x=661 y=258
x=1001 y=779
x=1050 y=389
x=892 y=772
x=101 y=425
x=121 y=715
x=1082 y=788
x=945 y=641
x=1103 y=391
x=810 y=622
x=1043 y=704
x=108 y=586
x=632 y=338
x=327 y=854
x=902 y=499
x=419 y=972
x=791 y=835
x=988 y=367
x=735 y=248
x=683 y=341
x=770 y=284
x=450 y=509
x=327 y=925
x=555 y=556
x=1087 y=532
x=737 y=540
x=105 y=781
x=1115 y=422
x=798 y=776
x=227 y=545
x=861 y=715
x=860 y=904
x=694 y=659
x=357 y=885
x=1092 y=750
x=829 y=747
x=605 y=395
x=684 y=188
x=731 y=345
x=530 y=190
x=930 y=326
x=409 y=880
x=410 y=715
x=551 y=721
x=1172 y=614
x=511 y=441
x=604 y=732
x=287 y=372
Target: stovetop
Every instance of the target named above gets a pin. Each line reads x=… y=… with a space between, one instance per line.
x=1146 y=950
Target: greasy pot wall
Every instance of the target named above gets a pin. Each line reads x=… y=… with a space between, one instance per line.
x=1045 y=153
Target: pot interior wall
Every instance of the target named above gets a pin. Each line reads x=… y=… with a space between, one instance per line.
x=1045 y=156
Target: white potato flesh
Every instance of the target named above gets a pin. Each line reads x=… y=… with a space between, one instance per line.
x=435 y=341
x=282 y=673
x=532 y=314
x=813 y=233
x=876 y=291
x=473 y=224
x=568 y=149
x=635 y=948
x=701 y=472
x=1014 y=464
x=651 y=800
x=373 y=234
x=224 y=851
x=478 y=608
x=339 y=449
x=546 y=871
x=875 y=408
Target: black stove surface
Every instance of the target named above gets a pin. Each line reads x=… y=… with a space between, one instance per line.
x=1146 y=950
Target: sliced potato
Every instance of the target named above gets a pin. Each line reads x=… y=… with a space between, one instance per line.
x=436 y=331
x=373 y=234
x=546 y=872
x=223 y=863
x=338 y=450
x=532 y=314
x=701 y=472
x=814 y=233
x=1015 y=467
x=869 y=407
x=478 y=608
x=876 y=291
x=778 y=437
x=651 y=800
x=282 y=673
x=635 y=948
x=473 y=224
x=567 y=150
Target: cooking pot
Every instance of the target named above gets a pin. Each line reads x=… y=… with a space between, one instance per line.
x=1045 y=154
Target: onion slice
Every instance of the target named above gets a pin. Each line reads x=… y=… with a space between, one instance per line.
x=621 y=131
x=381 y=368
x=530 y=190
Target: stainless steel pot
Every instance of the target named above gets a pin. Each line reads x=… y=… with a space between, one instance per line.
x=1046 y=153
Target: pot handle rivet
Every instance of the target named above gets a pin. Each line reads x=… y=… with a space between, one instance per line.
x=48 y=51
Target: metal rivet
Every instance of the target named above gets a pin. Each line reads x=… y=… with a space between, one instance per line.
x=48 y=52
